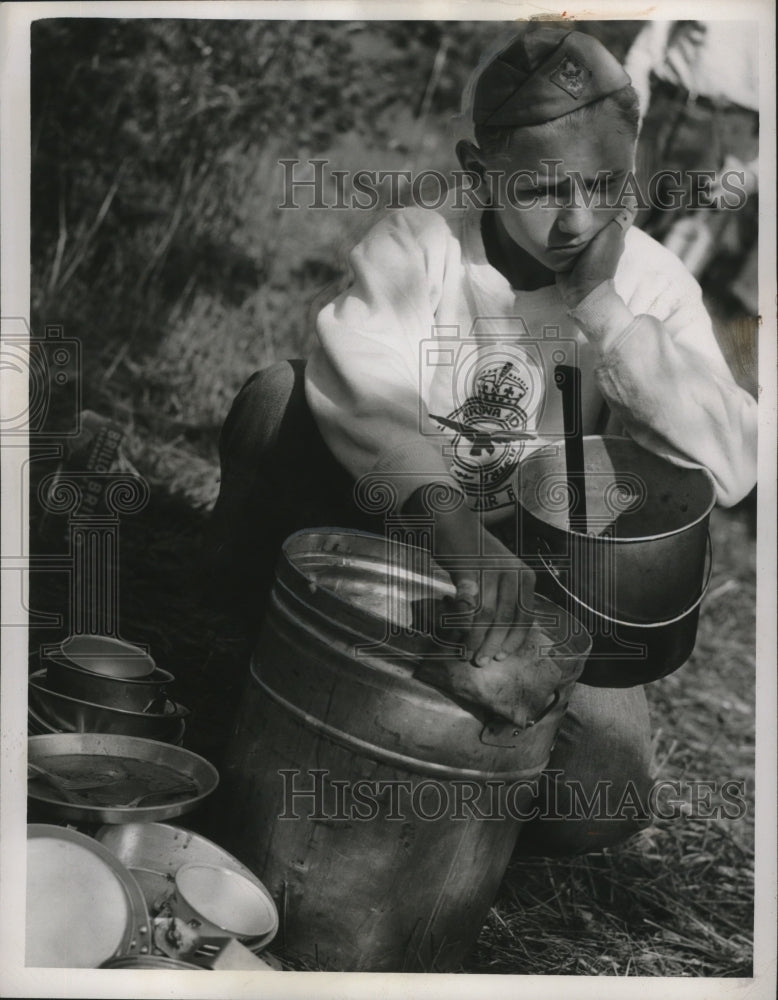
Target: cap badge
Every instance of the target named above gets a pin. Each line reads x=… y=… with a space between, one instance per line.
x=572 y=76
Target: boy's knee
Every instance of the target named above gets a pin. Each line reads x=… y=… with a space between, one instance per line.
x=578 y=818
x=259 y=411
x=596 y=791
x=238 y=553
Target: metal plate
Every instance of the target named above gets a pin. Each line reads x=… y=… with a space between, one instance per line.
x=157 y=850
x=83 y=906
x=142 y=765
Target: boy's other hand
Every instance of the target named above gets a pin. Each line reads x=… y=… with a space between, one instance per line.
x=495 y=589
x=497 y=601
x=597 y=262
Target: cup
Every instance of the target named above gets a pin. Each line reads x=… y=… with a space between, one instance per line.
x=221 y=903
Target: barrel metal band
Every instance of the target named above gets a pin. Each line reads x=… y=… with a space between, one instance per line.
x=390 y=756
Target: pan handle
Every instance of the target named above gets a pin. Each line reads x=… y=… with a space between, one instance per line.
x=550 y=568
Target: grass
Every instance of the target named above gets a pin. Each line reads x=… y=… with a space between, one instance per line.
x=234 y=289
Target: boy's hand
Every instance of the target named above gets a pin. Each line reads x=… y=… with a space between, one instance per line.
x=493 y=588
x=597 y=262
x=496 y=603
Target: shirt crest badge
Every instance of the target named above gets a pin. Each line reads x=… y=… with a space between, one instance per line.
x=571 y=76
x=485 y=450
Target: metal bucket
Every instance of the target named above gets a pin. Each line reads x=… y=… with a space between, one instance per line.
x=345 y=779
x=636 y=578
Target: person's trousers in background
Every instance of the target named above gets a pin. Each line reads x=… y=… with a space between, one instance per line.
x=278 y=476
x=686 y=134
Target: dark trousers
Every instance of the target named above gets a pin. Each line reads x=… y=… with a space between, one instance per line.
x=686 y=136
x=278 y=476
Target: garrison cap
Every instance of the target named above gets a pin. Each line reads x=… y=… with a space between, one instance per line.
x=543 y=73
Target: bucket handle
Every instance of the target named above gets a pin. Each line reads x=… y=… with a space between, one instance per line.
x=550 y=568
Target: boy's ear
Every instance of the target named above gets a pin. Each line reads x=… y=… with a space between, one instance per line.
x=470 y=157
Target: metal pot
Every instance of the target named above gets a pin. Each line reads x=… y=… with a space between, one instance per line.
x=625 y=654
x=635 y=579
x=141 y=694
x=102 y=654
x=75 y=715
x=332 y=699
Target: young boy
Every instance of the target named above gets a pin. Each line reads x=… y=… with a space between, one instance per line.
x=440 y=356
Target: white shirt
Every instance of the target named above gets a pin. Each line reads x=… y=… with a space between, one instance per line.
x=715 y=59
x=429 y=329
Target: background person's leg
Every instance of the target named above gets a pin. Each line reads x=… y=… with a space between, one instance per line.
x=603 y=750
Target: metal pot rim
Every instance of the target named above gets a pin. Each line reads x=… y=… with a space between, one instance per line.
x=543 y=604
x=156 y=678
x=608 y=539
x=37 y=678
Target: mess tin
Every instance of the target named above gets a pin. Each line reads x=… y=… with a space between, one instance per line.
x=102 y=654
x=153 y=962
x=154 y=852
x=635 y=577
x=132 y=694
x=76 y=715
x=221 y=902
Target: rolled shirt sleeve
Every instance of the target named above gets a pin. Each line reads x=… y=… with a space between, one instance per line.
x=665 y=378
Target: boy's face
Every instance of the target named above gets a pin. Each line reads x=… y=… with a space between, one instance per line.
x=543 y=208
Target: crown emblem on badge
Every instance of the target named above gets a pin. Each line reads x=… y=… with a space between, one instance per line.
x=571 y=76
x=501 y=384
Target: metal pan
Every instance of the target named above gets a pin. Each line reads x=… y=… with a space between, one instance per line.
x=105 y=655
x=133 y=694
x=122 y=768
x=83 y=906
x=75 y=715
x=160 y=849
x=37 y=726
